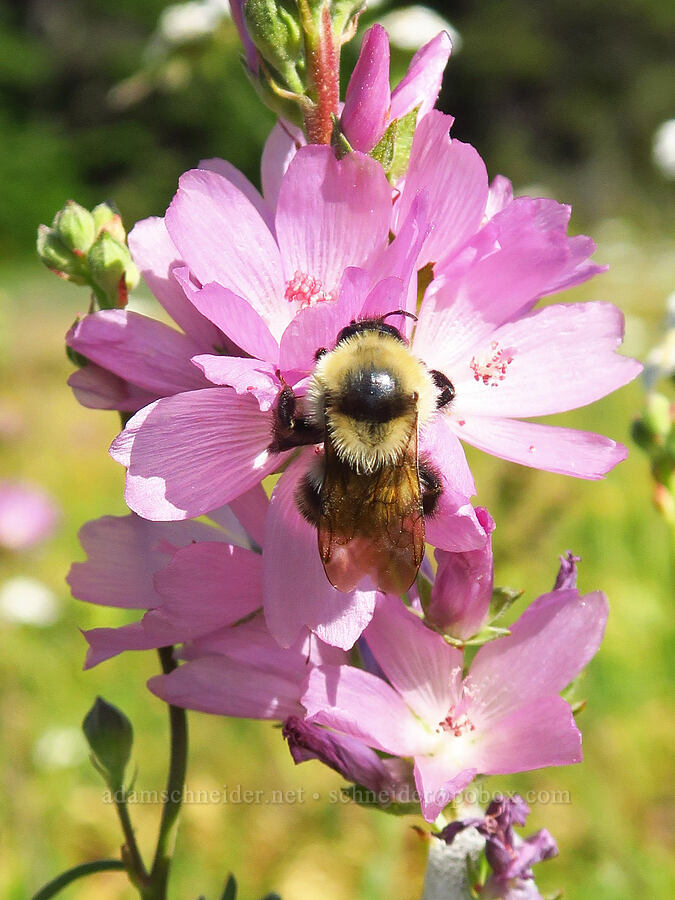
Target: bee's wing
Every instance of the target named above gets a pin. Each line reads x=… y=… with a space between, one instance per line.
x=372 y=524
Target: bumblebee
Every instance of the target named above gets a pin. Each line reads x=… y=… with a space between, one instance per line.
x=369 y=491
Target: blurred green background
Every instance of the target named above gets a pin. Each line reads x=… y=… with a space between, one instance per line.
x=98 y=101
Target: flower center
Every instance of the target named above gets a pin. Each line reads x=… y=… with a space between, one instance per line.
x=306 y=290
x=457 y=725
x=490 y=366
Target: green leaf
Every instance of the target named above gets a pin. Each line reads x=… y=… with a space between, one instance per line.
x=405 y=132
x=485 y=635
x=385 y=148
x=502 y=599
x=365 y=797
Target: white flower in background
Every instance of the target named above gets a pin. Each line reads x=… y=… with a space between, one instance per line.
x=663 y=148
x=660 y=362
x=181 y=23
x=28 y=601
x=59 y=748
x=413 y=26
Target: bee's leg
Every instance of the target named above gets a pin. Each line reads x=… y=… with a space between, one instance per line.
x=445 y=387
x=308 y=498
x=289 y=428
x=432 y=487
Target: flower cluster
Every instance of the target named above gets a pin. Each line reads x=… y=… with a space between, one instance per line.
x=394 y=221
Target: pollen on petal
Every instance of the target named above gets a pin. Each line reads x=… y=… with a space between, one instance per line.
x=306 y=290
x=490 y=366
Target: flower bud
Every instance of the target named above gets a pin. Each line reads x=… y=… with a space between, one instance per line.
x=75 y=226
x=110 y=737
x=106 y=218
x=58 y=258
x=278 y=37
x=460 y=597
x=112 y=270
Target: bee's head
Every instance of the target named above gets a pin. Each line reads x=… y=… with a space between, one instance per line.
x=376 y=325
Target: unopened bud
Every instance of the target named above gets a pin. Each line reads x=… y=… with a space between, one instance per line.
x=112 y=270
x=58 y=257
x=106 y=218
x=110 y=736
x=75 y=226
x=276 y=32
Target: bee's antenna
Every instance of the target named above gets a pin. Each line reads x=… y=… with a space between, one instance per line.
x=399 y=312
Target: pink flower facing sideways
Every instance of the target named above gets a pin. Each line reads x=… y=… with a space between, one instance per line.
x=505 y=716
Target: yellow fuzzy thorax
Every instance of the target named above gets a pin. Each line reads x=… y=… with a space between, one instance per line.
x=362 y=445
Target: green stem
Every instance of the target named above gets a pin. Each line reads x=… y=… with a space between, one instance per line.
x=90 y=868
x=130 y=852
x=159 y=875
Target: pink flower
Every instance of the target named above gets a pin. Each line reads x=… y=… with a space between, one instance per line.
x=504 y=716
x=27 y=515
x=508 y=362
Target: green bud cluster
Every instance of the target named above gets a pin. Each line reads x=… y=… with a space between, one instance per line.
x=298 y=44
x=90 y=248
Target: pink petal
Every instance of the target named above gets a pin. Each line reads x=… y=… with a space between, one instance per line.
x=365 y=707
x=155 y=254
x=547 y=648
x=246 y=376
x=250 y=642
x=399 y=258
x=251 y=511
x=437 y=784
x=332 y=214
x=222 y=238
x=541 y=733
x=419 y=664
x=191 y=453
x=318 y=327
x=283 y=143
x=123 y=553
x=234 y=316
x=579 y=453
x=144 y=351
x=439 y=443
x=367 y=99
x=98 y=388
x=297 y=593
x=218 y=685
x=241 y=182
x=454 y=176
x=205 y=587
x=521 y=254
x=462 y=590
x=422 y=82
x=105 y=643
x=562 y=357
x=499 y=195
x=454 y=525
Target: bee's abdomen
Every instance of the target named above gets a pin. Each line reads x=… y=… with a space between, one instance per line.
x=372 y=395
